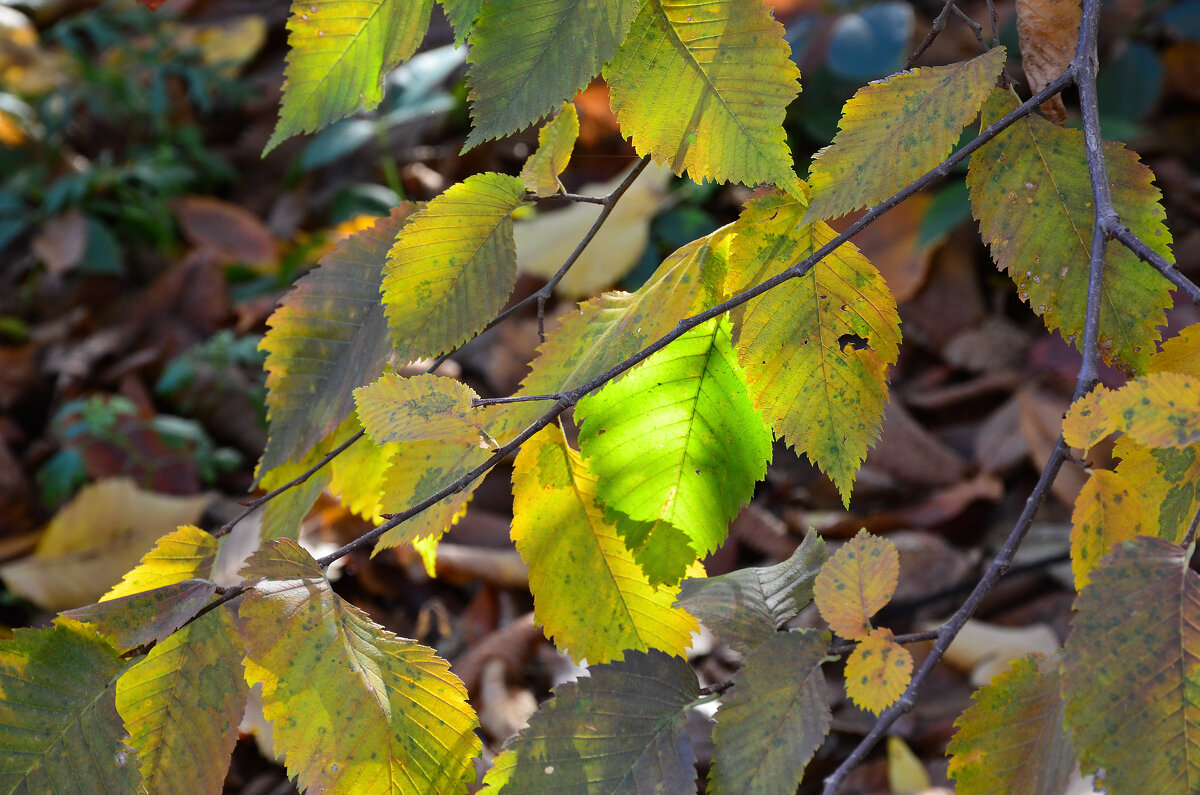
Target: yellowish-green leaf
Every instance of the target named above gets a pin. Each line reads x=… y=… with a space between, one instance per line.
x=702 y=86
x=188 y=553
x=423 y=408
x=461 y=14
x=801 y=343
x=1087 y=421
x=1157 y=410
x=1180 y=354
x=339 y=52
x=1132 y=687
x=906 y=771
x=354 y=707
x=182 y=703
x=1031 y=193
x=95 y=539
x=327 y=337
x=1011 y=739
x=556 y=139
x=1167 y=481
x=148 y=616
x=529 y=56
x=878 y=671
x=857 y=580
x=895 y=129
x=452 y=266
x=588 y=592
x=59 y=727
x=1108 y=509
x=283 y=516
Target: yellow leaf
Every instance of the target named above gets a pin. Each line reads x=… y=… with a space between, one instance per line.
x=1158 y=410
x=588 y=593
x=1087 y=421
x=1168 y=484
x=423 y=408
x=556 y=139
x=877 y=671
x=418 y=470
x=906 y=774
x=186 y=554
x=855 y=582
x=1180 y=354
x=94 y=539
x=1107 y=510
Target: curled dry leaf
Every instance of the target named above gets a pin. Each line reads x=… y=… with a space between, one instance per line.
x=1048 y=30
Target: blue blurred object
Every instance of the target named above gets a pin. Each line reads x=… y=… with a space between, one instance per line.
x=872 y=42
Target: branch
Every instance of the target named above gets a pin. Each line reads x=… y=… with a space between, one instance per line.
x=1114 y=228
x=912 y=637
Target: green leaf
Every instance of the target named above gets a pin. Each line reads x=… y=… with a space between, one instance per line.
x=702 y=85
x=452 y=266
x=677 y=441
x=423 y=408
x=1011 y=739
x=824 y=396
x=354 y=707
x=747 y=606
x=461 y=14
x=529 y=56
x=182 y=704
x=775 y=718
x=59 y=728
x=146 y=617
x=339 y=52
x=619 y=729
x=588 y=593
x=328 y=337
x=1031 y=192
x=556 y=139
x=895 y=129
x=283 y=516
x=1130 y=672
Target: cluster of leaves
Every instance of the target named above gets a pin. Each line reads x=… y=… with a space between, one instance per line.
x=771 y=326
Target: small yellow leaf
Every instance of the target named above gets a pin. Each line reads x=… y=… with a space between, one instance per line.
x=556 y=139
x=1087 y=421
x=186 y=554
x=1180 y=354
x=423 y=408
x=1107 y=510
x=906 y=774
x=878 y=671
x=856 y=581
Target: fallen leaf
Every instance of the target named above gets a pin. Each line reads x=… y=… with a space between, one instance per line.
x=1048 y=31
x=891 y=244
x=1040 y=422
x=229 y=232
x=62 y=242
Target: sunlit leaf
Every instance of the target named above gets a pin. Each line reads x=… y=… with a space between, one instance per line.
x=823 y=394
x=182 y=704
x=677 y=441
x=185 y=554
x=1048 y=31
x=339 y=52
x=856 y=581
x=1107 y=510
x=328 y=337
x=588 y=593
x=1032 y=195
x=877 y=671
x=556 y=139
x=620 y=729
x=1011 y=739
x=146 y=617
x=423 y=408
x=747 y=606
x=702 y=85
x=895 y=129
x=529 y=56
x=59 y=728
x=354 y=707
x=1131 y=670
x=775 y=718
x=452 y=266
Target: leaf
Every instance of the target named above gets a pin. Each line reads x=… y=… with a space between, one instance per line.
x=775 y=718
x=1088 y=421
x=339 y=52
x=1048 y=31
x=452 y=266
x=878 y=671
x=185 y=554
x=588 y=592
x=747 y=606
x=677 y=441
x=702 y=86
x=226 y=232
x=59 y=728
x=1031 y=193
x=529 y=56
x=1011 y=739
x=1167 y=482
x=556 y=139
x=354 y=707
x=894 y=130
x=823 y=397
x=622 y=728
x=1180 y=354
x=283 y=516
x=96 y=537
x=1107 y=510
x=859 y=579
x=1130 y=672
x=182 y=704
x=422 y=408
x=1156 y=410
x=461 y=14
x=146 y=617
x=328 y=337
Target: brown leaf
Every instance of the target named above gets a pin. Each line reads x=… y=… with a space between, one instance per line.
x=913 y=455
x=1040 y=423
x=62 y=242
x=226 y=230
x=891 y=245
x=1048 y=31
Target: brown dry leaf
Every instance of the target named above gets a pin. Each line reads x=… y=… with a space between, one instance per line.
x=62 y=242
x=951 y=300
x=1048 y=31
x=94 y=540
x=225 y=230
x=913 y=455
x=891 y=245
x=1040 y=423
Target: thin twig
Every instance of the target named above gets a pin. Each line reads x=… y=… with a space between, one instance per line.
x=575 y=197
x=1115 y=228
x=912 y=637
x=1190 y=536
x=995 y=20
x=975 y=27
x=479 y=402
x=939 y=24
